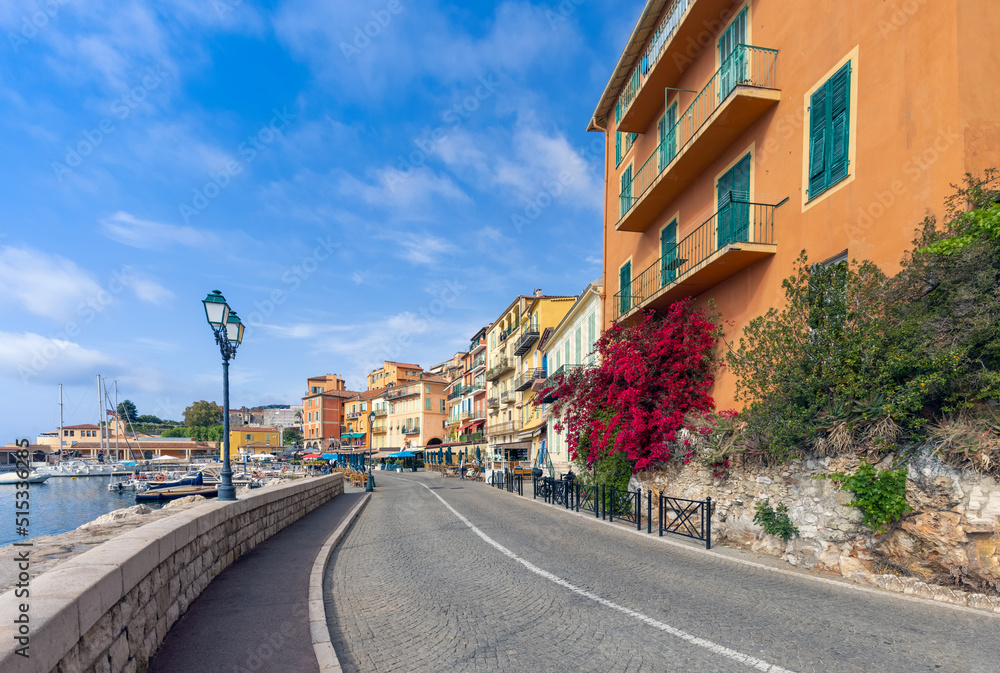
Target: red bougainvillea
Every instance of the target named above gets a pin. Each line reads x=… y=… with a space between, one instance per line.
x=650 y=375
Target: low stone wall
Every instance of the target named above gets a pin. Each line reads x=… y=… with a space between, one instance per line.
x=952 y=537
x=108 y=609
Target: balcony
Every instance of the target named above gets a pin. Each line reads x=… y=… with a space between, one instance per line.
x=381 y=410
x=411 y=430
x=502 y=366
x=553 y=381
x=683 y=25
x=479 y=362
x=493 y=402
x=502 y=428
x=526 y=341
x=506 y=397
x=525 y=380
x=739 y=94
x=507 y=332
x=397 y=393
x=355 y=414
x=479 y=386
x=379 y=428
x=738 y=235
x=457 y=391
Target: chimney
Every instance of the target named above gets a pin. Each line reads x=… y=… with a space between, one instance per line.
x=538 y=292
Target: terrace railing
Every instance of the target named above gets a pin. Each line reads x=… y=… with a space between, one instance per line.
x=649 y=58
x=738 y=221
x=746 y=66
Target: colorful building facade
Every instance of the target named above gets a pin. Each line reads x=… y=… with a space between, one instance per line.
x=738 y=134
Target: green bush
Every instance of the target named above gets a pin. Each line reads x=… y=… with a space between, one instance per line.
x=879 y=494
x=775 y=520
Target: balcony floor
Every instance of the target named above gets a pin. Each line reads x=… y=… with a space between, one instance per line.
x=717 y=267
x=741 y=109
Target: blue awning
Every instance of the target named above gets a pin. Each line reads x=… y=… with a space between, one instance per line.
x=328 y=456
x=402 y=454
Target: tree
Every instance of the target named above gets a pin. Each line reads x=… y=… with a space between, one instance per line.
x=650 y=376
x=126 y=410
x=291 y=436
x=146 y=418
x=202 y=414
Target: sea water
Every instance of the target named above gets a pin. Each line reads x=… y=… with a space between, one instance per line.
x=61 y=504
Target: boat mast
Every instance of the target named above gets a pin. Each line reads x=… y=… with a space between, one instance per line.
x=118 y=422
x=100 y=412
x=59 y=459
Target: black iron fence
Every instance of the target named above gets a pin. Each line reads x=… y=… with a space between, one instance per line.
x=678 y=516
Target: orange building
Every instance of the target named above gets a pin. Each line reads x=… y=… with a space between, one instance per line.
x=358 y=408
x=394 y=373
x=739 y=133
x=323 y=412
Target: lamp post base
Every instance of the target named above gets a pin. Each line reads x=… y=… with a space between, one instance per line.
x=227 y=493
x=371 y=483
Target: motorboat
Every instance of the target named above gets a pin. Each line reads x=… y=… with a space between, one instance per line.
x=32 y=478
x=176 y=493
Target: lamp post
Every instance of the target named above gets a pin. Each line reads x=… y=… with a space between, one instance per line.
x=228 y=329
x=371 y=437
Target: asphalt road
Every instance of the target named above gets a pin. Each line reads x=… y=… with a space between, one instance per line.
x=463 y=577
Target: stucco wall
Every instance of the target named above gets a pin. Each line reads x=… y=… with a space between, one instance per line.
x=108 y=609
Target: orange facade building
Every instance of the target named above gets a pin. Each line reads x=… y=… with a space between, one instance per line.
x=738 y=134
x=323 y=410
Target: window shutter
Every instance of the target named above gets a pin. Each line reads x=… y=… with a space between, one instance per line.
x=625 y=285
x=625 y=200
x=661 y=129
x=817 y=141
x=618 y=148
x=840 y=92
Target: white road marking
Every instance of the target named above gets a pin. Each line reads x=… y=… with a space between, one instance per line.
x=753 y=662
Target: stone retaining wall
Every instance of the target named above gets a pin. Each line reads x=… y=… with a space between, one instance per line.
x=951 y=538
x=108 y=609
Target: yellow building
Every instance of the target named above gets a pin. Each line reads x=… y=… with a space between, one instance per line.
x=515 y=365
x=252 y=441
x=394 y=373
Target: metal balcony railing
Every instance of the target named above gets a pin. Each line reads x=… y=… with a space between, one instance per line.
x=457 y=391
x=502 y=366
x=355 y=414
x=746 y=66
x=479 y=362
x=526 y=341
x=379 y=427
x=381 y=410
x=493 y=402
x=506 y=397
x=411 y=430
x=524 y=381
x=501 y=428
x=396 y=393
x=649 y=58
x=738 y=221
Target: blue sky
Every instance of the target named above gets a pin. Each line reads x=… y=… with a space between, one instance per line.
x=346 y=173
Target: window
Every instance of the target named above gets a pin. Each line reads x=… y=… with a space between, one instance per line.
x=625 y=292
x=625 y=197
x=829 y=131
x=442 y=405
x=249 y=437
x=667 y=137
x=578 y=339
x=668 y=254
x=591 y=335
x=427 y=404
x=734 y=203
x=732 y=55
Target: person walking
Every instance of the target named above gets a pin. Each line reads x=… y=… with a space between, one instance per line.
x=461 y=467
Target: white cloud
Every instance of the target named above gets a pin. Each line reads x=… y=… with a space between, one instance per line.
x=149 y=235
x=423 y=248
x=33 y=357
x=394 y=189
x=146 y=289
x=45 y=284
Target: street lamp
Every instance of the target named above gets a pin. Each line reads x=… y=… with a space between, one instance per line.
x=228 y=329
x=371 y=438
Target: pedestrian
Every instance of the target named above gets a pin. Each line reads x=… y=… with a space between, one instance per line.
x=461 y=467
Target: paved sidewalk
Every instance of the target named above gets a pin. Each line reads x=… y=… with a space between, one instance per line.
x=254 y=616
x=489 y=581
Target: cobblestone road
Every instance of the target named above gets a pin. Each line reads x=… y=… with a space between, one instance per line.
x=413 y=587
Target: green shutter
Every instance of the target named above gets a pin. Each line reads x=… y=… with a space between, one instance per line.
x=625 y=198
x=840 y=109
x=668 y=254
x=818 y=117
x=618 y=148
x=625 y=285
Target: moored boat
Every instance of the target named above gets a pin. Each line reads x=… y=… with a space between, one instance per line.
x=176 y=493
x=32 y=478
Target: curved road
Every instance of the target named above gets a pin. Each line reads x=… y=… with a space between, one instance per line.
x=444 y=575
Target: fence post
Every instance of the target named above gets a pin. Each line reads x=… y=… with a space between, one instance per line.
x=708 y=522
x=638 y=509
x=649 y=511
x=534 y=487
x=661 y=514
x=577 y=485
x=611 y=514
x=604 y=505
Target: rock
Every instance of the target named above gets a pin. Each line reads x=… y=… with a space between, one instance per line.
x=183 y=501
x=852 y=568
x=117 y=516
x=763 y=480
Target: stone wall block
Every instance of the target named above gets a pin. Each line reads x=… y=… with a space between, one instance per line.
x=118 y=653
